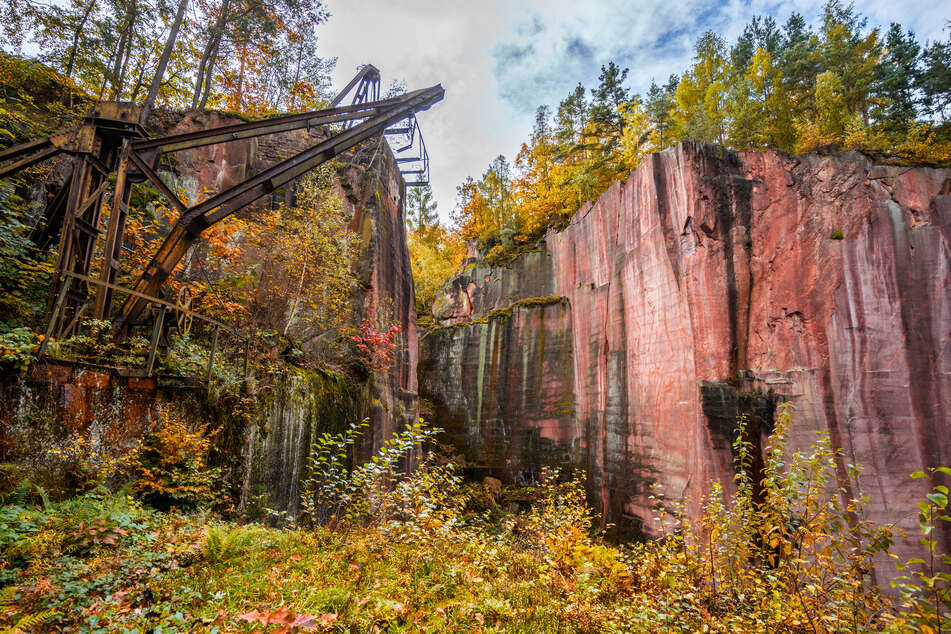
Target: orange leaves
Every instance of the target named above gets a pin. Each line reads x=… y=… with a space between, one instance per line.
x=472 y=215
x=288 y=621
x=177 y=442
x=223 y=239
x=171 y=468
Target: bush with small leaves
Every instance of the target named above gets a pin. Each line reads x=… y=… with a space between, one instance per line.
x=925 y=585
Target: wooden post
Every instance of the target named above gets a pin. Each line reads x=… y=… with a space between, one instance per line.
x=67 y=241
x=112 y=251
x=156 y=334
x=247 y=351
x=54 y=316
x=211 y=356
x=74 y=322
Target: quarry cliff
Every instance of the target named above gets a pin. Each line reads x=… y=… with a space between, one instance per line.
x=59 y=412
x=710 y=284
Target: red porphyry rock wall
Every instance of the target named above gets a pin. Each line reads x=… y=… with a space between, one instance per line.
x=712 y=283
x=373 y=196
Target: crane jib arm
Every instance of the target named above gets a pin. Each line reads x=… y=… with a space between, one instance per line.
x=194 y=220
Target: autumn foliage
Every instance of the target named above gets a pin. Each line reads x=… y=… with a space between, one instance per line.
x=435 y=250
x=793 y=88
x=376 y=347
x=782 y=548
x=248 y=56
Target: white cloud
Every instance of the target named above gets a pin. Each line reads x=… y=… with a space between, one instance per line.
x=497 y=60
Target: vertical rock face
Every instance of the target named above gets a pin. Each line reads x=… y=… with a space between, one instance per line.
x=373 y=194
x=60 y=419
x=713 y=283
x=57 y=405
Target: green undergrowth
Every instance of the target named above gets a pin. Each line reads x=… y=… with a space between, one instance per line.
x=383 y=548
x=506 y=312
x=506 y=255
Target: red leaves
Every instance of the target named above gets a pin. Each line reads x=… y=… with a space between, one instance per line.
x=376 y=347
x=287 y=620
x=97 y=533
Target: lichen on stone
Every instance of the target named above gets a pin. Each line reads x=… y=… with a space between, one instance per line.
x=505 y=313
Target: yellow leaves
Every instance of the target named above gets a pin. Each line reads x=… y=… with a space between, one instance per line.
x=435 y=254
x=921 y=145
x=638 y=139
x=170 y=463
x=762 y=73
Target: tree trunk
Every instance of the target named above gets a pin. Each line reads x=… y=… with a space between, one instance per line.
x=117 y=66
x=207 y=63
x=107 y=73
x=163 y=62
x=240 y=88
x=200 y=75
x=120 y=80
x=297 y=296
x=138 y=80
x=300 y=56
x=79 y=29
x=209 y=76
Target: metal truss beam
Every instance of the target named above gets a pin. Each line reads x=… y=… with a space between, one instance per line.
x=194 y=220
x=110 y=141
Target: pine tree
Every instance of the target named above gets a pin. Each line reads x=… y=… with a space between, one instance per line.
x=799 y=62
x=897 y=77
x=571 y=119
x=760 y=33
x=659 y=108
x=851 y=54
x=421 y=213
x=607 y=99
x=935 y=79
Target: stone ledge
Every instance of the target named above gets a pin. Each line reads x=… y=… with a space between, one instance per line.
x=506 y=312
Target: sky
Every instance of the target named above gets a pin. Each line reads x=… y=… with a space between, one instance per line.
x=498 y=61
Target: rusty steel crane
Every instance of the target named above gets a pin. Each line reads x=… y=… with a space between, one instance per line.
x=112 y=142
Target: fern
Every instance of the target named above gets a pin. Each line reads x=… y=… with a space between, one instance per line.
x=223 y=544
x=19 y=494
x=7 y=595
x=47 y=505
x=29 y=622
x=26 y=622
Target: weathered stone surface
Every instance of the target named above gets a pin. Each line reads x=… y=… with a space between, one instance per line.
x=84 y=405
x=502 y=389
x=373 y=195
x=61 y=421
x=711 y=268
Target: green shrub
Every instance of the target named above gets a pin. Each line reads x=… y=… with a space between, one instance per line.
x=926 y=585
x=373 y=491
x=25 y=272
x=17 y=348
